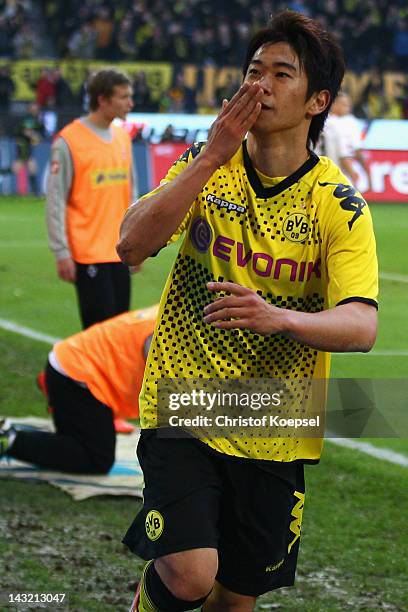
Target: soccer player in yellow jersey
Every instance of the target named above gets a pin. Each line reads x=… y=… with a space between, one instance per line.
x=276 y=270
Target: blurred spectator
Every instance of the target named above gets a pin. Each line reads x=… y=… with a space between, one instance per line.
x=7 y=88
x=341 y=140
x=29 y=133
x=45 y=88
x=168 y=134
x=83 y=94
x=63 y=92
x=142 y=97
x=6 y=38
x=400 y=43
x=103 y=26
x=50 y=119
x=227 y=89
x=83 y=42
x=25 y=42
x=182 y=98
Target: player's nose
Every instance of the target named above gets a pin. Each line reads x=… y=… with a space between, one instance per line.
x=266 y=84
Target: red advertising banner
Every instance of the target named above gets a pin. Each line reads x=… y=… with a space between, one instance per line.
x=388 y=176
x=388 y=171
x=163 y=155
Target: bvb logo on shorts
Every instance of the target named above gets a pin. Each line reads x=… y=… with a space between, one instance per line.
x=296 y=227
x=154 y=525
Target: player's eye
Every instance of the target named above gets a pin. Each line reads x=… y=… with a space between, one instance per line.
x=253 y=71
x=283 y=74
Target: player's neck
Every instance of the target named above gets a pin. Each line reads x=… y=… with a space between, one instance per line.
x=275 y=157
x=99 y=120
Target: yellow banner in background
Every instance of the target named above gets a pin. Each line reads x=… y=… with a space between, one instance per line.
x=25 y=74
x=206 y=80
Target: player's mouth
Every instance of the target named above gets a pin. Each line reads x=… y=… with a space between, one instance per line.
x=265 y=107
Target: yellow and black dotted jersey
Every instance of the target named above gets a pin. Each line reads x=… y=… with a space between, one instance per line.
x=306 y=244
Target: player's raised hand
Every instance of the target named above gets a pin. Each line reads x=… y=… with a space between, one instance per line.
x=243 y=309
x=234 y=120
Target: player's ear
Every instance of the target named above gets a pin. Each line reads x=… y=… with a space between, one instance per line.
x=317 y=103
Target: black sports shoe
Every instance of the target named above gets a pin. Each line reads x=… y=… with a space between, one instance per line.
x=5 y=430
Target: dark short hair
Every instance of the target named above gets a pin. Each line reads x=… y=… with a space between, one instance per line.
x=102 y=83
x=318 y=51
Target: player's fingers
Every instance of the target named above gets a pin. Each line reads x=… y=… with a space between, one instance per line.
x=240 y=100
x=253 y=106
x=225 y=314
x=232 y=288
x=245 y=104
x=230 y=301
x=234 y=324
x=251 y=118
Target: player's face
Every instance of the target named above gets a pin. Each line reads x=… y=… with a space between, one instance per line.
x=275 y=66
x=119 y=104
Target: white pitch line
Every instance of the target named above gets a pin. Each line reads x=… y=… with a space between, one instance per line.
x=399 y=278
x=373 y=451
x=364 y=447
x=379 y=353
x=27 y=332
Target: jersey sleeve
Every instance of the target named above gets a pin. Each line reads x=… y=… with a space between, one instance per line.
x=351 y=259
x=59 y=183
x=179 y=165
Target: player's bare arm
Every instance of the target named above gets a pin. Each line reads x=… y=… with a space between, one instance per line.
x=347 y=327
x=149 y=224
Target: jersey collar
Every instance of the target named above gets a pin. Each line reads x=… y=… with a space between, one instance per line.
x=268 y=192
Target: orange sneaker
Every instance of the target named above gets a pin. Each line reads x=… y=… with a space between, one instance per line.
x=122 y=426
x=42 y=385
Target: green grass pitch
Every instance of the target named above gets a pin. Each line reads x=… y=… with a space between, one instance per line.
x=354 y=552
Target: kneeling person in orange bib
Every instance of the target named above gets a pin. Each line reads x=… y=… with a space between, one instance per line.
x=91 y=378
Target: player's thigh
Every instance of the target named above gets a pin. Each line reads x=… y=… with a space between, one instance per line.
x=77 y=413
x=180 y=498
x=260 y=528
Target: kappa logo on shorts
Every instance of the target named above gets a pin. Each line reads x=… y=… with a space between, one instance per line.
x=154 y=525
x=274 y=567
x=297 y=513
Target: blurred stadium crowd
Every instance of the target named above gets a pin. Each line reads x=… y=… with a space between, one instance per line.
x=374 y=35
x=194 y=30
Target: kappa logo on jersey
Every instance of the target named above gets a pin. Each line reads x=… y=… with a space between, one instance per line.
x=296 y=227
x=154 y=525
x=349 y=200
x=224 y=204
x=193 y=151
x=201 y=234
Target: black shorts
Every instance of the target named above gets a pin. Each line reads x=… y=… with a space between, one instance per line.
x=249 y=510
